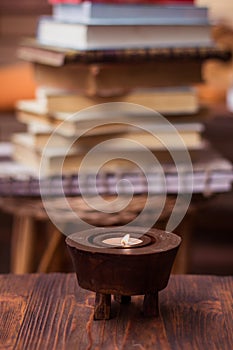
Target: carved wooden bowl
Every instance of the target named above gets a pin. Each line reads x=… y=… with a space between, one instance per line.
x=141 y=266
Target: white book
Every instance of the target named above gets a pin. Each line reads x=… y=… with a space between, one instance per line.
x=80 y=36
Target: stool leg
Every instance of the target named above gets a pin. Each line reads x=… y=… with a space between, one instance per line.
x=102 y=306
x=151 y=304
x=49 y=253
x=22 y=245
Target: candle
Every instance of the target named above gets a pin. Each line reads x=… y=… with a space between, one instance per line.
x=124 y=242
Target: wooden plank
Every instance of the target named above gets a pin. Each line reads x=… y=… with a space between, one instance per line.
x=52 y=312
x=55 y=317
x=13 y=304
x=198 y=320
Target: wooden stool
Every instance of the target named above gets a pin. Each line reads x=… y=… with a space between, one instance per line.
x=26 y=211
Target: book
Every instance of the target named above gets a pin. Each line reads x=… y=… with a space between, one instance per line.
x=53 y=158
x=39 y=140
x=117 y=155
x=31 y=112
x=166 y=101
x=38 y=137
x=189 y=133
x=124 y=1
x=70 y=128
x=160 y=140
x=56 y=161
x=31 y=50
x=122 y=35
x=112 y=79
x=5 y=151
x=200 y=117
x=126 y=124
x=88 y=11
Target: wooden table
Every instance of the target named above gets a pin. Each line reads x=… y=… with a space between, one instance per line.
x=50 y=311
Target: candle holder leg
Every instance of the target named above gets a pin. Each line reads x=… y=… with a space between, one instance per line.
x=122 y=299
x=151 y=304
x=102 y=306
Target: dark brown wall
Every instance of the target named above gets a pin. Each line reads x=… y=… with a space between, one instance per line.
x=18 y=18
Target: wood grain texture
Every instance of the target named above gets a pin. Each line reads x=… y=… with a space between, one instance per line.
x=52 y=312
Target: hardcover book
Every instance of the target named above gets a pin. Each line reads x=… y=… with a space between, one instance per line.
x=116 y=79
x=70 y=128
x=122 y=35
x=120 y=156
x=37 y=138
x=30 y=50
x=167 y=101
x=130 y=13
x=124 y=1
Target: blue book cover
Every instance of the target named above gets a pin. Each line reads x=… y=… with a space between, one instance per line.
x=88 y=12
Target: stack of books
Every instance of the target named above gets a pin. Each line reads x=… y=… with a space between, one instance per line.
x=100 y=53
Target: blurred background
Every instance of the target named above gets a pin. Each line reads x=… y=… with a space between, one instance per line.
x=211 y=230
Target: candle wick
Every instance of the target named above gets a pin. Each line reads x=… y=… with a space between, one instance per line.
x=125 y=240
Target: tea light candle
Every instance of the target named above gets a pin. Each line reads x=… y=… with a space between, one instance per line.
x=125 y=242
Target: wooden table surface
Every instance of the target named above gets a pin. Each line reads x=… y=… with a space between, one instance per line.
x=50 y=311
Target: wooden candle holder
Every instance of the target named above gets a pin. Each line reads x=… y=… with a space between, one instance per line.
x=123 y=271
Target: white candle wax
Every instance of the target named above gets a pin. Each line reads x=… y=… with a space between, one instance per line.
x=117 y=241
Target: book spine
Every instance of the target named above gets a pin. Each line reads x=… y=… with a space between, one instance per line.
x=148 y=54
x=50 y=56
